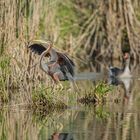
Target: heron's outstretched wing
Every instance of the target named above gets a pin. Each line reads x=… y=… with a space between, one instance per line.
x=37 y=48
x=67 y=63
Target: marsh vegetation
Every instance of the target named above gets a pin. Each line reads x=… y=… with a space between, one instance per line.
x=94 y=34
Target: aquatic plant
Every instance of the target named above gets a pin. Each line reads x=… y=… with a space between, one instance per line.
x=97 y=94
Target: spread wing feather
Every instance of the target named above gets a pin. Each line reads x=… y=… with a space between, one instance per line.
x=67 y=62
x=37 y=48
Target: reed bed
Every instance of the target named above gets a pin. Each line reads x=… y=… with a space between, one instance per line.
x=20 y=23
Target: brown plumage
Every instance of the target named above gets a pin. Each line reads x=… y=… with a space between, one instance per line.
x=59 y=67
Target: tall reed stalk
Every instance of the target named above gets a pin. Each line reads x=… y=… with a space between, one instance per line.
x=20 y=22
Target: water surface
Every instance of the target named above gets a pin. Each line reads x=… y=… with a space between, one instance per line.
x=118 y=119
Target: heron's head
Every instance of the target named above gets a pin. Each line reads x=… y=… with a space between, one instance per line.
x=49 y=43
x=126 y=55
x=126 y=52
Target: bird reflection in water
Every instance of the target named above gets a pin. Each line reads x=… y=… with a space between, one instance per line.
x=61 y=136
x=122 y=76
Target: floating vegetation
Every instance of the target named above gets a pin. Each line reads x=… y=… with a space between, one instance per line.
x=96 y=95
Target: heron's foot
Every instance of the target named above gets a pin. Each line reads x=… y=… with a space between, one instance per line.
x=59 y=87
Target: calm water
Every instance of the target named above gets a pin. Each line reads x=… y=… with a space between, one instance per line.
x=118 y=119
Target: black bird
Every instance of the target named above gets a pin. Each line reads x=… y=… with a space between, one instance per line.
x=121 y=72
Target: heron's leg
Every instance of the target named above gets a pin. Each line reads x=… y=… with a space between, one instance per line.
x=56 y=77
x=53 y=80
x=72 y=80
x=74 y=85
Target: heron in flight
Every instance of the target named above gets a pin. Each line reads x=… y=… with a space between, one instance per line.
x=59 y=66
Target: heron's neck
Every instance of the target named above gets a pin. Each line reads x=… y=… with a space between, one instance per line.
x=43 y=65
x=127 y=69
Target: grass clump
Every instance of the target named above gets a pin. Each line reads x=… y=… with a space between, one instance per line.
x=44 y=100
x=96 y=95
